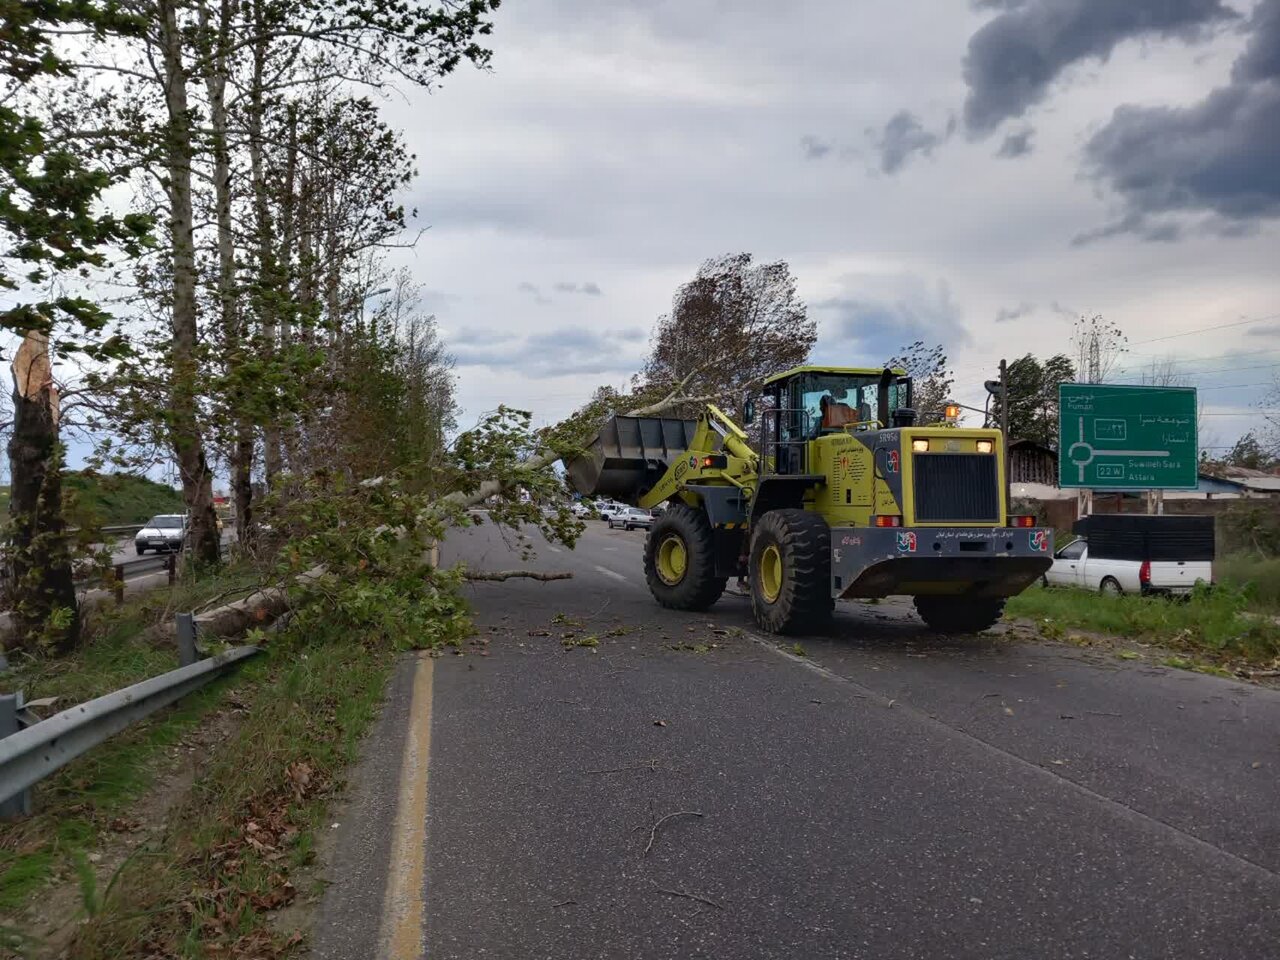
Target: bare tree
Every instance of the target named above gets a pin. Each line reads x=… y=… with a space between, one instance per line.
x=1097 y=345
x=932 y=378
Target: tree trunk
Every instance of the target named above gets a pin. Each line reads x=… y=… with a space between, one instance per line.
x=43 y=596
x=234 y=327
x=275 y=436
x=188 y=443
x=269 y=276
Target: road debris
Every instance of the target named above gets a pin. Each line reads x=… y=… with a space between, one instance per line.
x=653 y=831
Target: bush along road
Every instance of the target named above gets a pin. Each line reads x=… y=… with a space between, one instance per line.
x=590 y=775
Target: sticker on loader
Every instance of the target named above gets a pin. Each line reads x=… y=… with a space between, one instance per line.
x=907 y=542
x=1040 y=540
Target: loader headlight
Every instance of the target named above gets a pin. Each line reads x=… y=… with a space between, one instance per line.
x=920 y=446
x=985 y=446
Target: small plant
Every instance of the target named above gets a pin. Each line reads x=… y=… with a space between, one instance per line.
x=798 y=650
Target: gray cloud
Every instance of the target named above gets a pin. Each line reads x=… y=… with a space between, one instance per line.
x=1217 y=160
x=815 y=149
x=1007 y=314
x=1266 y=330
x=869 y=330
x=527 y=287
x=1016 y=145
x=903 y=136
x=1014 y=58
x=559 y=352
x=589 y=288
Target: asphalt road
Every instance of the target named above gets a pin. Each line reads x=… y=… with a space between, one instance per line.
x=688 y=788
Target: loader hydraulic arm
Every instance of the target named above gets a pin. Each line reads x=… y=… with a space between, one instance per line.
x=718 y=453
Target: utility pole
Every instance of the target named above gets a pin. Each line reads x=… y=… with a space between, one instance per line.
x=1004 y=430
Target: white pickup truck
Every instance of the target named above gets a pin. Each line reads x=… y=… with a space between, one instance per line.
x=1073 y=567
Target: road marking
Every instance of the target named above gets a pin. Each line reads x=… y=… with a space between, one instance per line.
x=1117 y=807
x=610 y=573
x=405 y=900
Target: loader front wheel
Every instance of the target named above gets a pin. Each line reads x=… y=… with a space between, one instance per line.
x=790 y=569
x=959 y=614
x=680 y=562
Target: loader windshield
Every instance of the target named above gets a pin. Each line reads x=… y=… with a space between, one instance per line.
x=837 y=401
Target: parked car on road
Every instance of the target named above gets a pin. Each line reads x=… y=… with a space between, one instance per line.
x=1073 y=567
x=607 y=508
x=583 y=511
x=631 y=518
x=162 y=533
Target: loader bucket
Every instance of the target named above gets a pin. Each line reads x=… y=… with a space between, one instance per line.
x=628 y=456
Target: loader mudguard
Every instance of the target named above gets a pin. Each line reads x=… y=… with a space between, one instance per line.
x=779 y=492
x=726 y=509
x=985 y=562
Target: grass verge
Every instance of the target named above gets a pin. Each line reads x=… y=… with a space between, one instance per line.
x=1257 y=576
x=1212 y=622
x=93 y=794
x=231 y=847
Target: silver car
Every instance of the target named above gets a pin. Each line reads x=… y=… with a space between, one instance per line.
x=161 y=534
x=631 y=518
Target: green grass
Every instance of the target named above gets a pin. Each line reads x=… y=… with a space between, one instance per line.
x=119 y=498
x=1214 y=622
x=114 y=498
x=308 y=705
x=1258 y=576
x=74 y=806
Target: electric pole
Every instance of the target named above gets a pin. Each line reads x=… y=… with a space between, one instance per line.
x=1004 y=430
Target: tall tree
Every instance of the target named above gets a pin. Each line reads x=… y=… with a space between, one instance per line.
x=731 y=326
x=54 y=236
x=1033 y=397
x=932 y=378
x=1251 y=453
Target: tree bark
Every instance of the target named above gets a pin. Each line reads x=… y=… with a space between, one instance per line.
x=184 y=426
x=43 y=594
x=234 y=328
x=270 y=284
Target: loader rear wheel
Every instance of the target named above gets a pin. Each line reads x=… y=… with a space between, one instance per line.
x=790 y=570
x=959 y=614
x=680 y=561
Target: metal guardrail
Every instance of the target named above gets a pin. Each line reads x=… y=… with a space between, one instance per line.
x=29 y=755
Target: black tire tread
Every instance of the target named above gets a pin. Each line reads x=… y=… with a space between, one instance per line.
x=954 y=615
x=700 y=587
x=804 y=540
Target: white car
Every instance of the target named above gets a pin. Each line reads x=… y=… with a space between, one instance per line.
x=583 y=511
x=1072 y=567
x=631 y=518
x=162 y=533
x=607 y=508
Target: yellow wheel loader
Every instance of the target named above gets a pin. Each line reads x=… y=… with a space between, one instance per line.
x=835 y=493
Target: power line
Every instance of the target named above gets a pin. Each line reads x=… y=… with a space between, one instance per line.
x=1216 y=326
x=1243 y=352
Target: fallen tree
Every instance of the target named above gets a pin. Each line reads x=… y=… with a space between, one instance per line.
x=501 y=455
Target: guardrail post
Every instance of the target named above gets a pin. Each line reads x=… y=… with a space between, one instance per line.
x=171 y=564
x=18 y=805
x=118 y=586
x=186 y=631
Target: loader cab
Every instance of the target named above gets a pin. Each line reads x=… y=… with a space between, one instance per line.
x=799 y=406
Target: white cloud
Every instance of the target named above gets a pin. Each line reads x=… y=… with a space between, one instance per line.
x=626 y=142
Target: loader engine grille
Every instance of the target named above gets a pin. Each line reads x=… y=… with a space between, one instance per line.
x=956 y=488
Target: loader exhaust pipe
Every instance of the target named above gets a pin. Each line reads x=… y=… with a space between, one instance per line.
x=887 y=377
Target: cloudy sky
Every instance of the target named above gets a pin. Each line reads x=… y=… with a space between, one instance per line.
x=970 y=174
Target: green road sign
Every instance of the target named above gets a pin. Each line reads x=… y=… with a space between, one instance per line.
x=1127 y=438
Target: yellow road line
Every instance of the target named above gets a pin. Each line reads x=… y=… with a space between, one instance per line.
x=405 y=900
